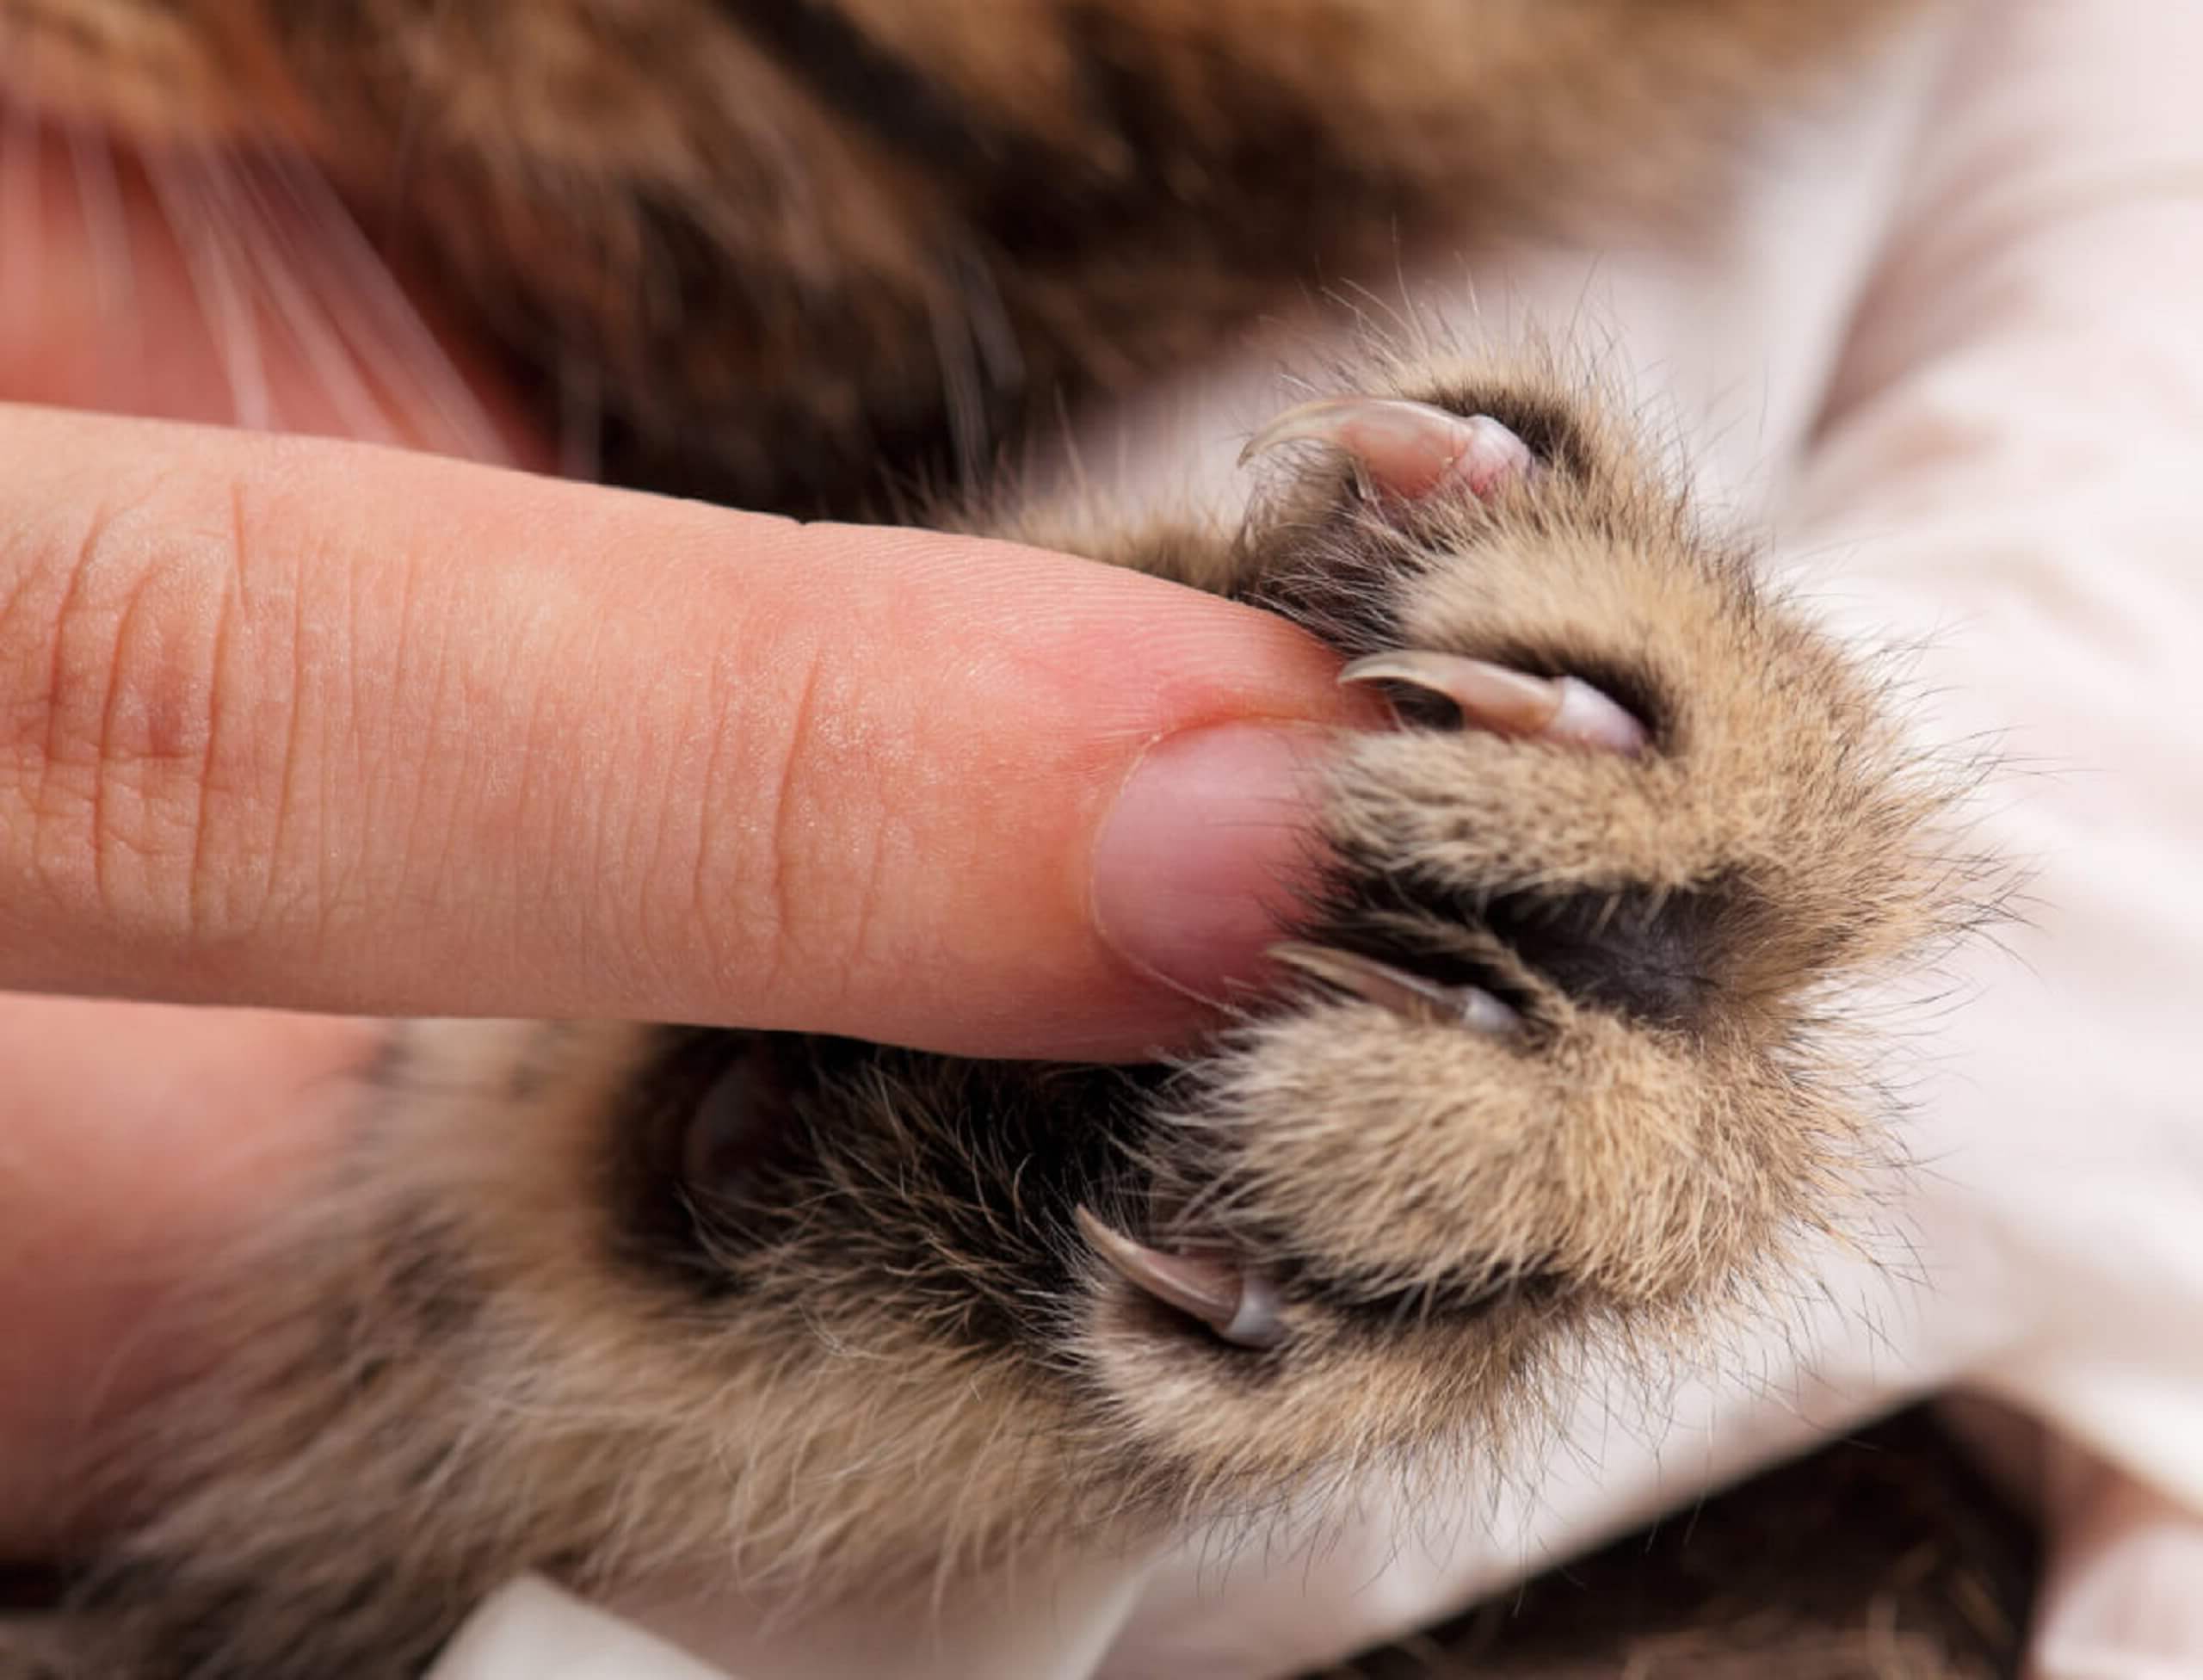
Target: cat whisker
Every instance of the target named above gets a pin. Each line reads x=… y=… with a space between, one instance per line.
x=107 y=231
x=197 y=217
x=21 y=211
x=281 y=269
x=429 y=391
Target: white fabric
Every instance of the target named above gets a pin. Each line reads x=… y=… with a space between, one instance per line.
x=531 y=1628
x=1954 y=353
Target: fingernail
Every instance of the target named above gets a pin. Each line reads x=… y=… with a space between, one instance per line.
x=1202 y=852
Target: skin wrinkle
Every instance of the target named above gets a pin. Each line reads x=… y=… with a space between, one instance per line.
x=286 y=751
x=229 y=604
x=707 y=820
x=348 y=753
x=495 y=787
x=678 y=738
x=454 y=714
x=885 y=847
x=782 y=823
x=136 y=774
x=88 y=546
x=103 y=887
x=86 y=814
x=622 y=841
x=627 y=814
x=637 y=828
x=270 y=608
x=514 y=781
x=157 y=699
x=873 y=896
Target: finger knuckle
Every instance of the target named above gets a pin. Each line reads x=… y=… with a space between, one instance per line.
x=129 y=691
x=787 y=864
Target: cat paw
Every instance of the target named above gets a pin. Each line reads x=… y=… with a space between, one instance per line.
x=1557 y=1045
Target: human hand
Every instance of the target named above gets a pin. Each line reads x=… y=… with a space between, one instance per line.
x=299 y=723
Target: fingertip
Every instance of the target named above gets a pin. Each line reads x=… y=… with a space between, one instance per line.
x=1204 y=850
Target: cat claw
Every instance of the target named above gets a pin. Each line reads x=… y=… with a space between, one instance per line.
x=1509 y=703
x=1235 y=1300
x=1406 y=449
x=1405 y=994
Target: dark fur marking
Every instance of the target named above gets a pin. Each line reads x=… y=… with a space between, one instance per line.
x=534 y=1068
x=1147 y=174
x=429 y=1277
x=1188 y=181
x=1171 y=177
x=1353 y=609
x=653 y=1228
x=29 y=1587
x=1381 y=1310
x=201 y=1613
x=865 y=83
x=1656 y=957
x=985 y=1175
x=965 y=1205
x=766 y=447
x=385 y=1069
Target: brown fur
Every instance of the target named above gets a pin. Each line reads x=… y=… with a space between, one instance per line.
x=1886 y=1556
x=541 y=1320
x=798 y=266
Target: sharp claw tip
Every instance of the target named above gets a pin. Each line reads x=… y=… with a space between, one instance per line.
x=1563 y=709
x=1405 y=447
x=1239 y=1303
x=1409 y=996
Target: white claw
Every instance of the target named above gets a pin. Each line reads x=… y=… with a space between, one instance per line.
x=1257 y=1323
x=1236 y=1301
x=1405 y=449
x=1589 y=718
x=1405 y=994
x=1509 y=703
